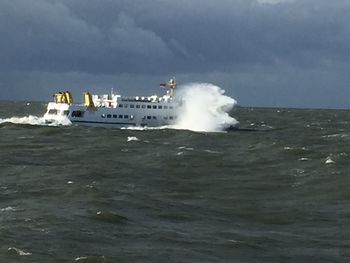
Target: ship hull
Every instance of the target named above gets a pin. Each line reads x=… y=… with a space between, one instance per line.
x=155 y=116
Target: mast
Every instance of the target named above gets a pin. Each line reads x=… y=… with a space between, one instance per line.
x=171 y=85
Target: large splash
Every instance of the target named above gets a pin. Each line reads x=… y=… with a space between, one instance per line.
x=205 y=108
x=34 y=120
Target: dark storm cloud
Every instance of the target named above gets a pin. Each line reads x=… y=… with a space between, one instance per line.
x=47 y=35
x=262 y=39
x=132 y=36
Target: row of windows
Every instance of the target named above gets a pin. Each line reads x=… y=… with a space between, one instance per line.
x=155 y=117
x=137 y=106
x=115 y=116
x=80 y=114
x=120 y=116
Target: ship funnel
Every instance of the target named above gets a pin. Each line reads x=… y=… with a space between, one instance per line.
x=88 y=102
x=63 y=97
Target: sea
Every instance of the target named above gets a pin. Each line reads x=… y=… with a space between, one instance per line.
x=275 y=189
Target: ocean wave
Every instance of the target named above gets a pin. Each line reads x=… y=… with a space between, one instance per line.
x=34 y=120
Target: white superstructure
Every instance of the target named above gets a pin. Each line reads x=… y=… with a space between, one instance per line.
x=112 y=110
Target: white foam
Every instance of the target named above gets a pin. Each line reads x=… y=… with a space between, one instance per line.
x=205 y=108
x=19 y=251
x=81 y=258
x=329 y=160
x=7 y=209
x=137 y=128
x=335 y=136
x=35 y=120
x=185 y=148
x=132 y=138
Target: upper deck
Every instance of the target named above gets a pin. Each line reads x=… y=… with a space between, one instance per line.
x=115 y=101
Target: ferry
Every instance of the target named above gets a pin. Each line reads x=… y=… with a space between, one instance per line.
x=113 y=110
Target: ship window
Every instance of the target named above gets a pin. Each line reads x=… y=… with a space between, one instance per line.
x=137 y=106
x=159 y=107
x=171 y=117
x=143 y=106
x=126 y=105
x=170 y=107
x=154 y=106
x=109 y=116
x=120 y=105
x=65 y=112
x=154 y=117
x=149 y=107
x=78 y=113
x=53 y=111
x=132 y=106
x=126 y=116
x=115 y=116
x=131 y=117
x=102 y=115
x=149 y=117
x=165 y=107
x=120 y=116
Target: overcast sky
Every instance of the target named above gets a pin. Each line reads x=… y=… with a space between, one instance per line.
x=289 y=53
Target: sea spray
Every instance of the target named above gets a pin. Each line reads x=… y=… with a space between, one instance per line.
x=34 y=120
x=205 y=108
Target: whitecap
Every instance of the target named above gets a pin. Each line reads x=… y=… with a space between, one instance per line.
x=7 y=209
x=335 y=135
x=91 y=259
x=19 y=251
x=132 y=138
x=185 y=148
x=329 y=160
x=80 y=258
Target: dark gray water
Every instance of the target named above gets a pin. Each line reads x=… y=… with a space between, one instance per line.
x=275 y=191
